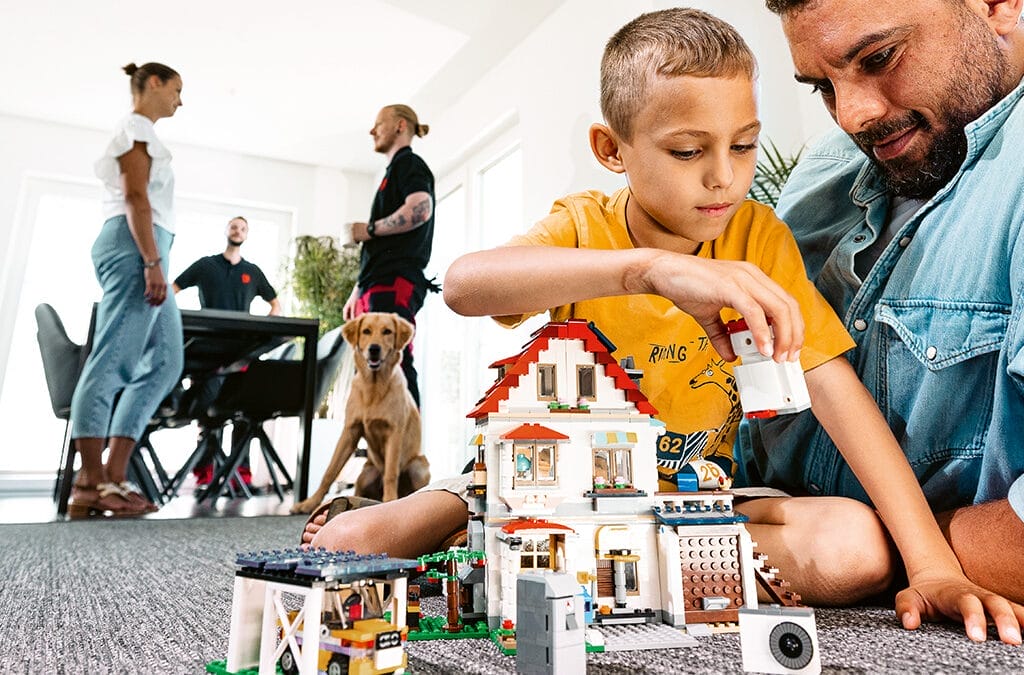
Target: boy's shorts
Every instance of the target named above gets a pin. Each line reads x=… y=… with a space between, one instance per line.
x=457 y=485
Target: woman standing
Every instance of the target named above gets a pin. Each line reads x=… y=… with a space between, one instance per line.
x=137 y=346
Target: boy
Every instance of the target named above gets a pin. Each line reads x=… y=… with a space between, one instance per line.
x=655 y=264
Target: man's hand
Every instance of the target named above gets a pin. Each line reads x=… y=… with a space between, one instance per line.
x=348 y=312
x=961 y=600
x=359 y=233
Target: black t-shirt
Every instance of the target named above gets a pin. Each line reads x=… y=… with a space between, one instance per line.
x=226 y=286
x=399 y=255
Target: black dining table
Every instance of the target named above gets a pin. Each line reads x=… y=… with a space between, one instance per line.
x=219 y=342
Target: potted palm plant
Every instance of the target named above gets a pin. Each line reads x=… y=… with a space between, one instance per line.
x=322 y=277
x=772 y=172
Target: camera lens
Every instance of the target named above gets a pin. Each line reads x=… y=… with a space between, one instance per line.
x=791 y=645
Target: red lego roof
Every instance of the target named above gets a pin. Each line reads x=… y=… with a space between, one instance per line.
x=531 y=524
x=533 y=432
x=573 y=329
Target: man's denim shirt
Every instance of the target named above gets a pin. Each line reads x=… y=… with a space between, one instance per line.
x=938 y=320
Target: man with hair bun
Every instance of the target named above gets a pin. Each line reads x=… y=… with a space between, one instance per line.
x=397 y=238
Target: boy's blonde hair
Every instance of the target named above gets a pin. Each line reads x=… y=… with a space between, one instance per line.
x=667 y=43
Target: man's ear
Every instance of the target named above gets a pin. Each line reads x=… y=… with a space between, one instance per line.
x=605 y=147
x=1002 y=15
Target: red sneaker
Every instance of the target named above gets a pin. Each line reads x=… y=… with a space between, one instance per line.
x=203 y=474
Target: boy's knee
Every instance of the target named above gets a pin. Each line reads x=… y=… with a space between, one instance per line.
x=853 y=550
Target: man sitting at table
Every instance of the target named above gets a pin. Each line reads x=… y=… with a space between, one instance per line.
x=225 y=281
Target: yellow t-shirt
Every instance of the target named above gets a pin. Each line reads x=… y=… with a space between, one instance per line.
x=685 y=379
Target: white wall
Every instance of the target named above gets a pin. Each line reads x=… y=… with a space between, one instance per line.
x=550 y=82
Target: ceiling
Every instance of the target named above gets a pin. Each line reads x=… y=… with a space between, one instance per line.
x=296 y=81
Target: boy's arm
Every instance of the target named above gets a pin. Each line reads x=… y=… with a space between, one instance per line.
x=523 y=279
x=938 y=587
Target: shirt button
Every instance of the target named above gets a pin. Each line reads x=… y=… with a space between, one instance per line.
x=860 y=324
x=859 y=238
x=930 y=353
x=904 y=242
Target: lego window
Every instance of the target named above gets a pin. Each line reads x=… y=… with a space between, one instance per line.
x=535 y=553
x=613 y=468
x=535 y=465
x=546 y=389
x=501 y=373
x=585 y=383
x=606 y=579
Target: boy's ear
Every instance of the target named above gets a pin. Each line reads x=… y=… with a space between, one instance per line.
x=605 y=147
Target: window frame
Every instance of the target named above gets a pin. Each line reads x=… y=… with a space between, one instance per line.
x=545 y=368
x=533 y=481
x=580 y=369
x=613 y=456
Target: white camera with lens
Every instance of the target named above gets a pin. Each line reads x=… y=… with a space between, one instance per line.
x=777 y=639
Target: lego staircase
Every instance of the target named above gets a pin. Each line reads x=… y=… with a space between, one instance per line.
x=776 y=587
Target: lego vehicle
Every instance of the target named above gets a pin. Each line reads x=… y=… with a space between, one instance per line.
x=355 y=639
x=351 y=618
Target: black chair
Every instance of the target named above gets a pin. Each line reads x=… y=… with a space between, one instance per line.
x=266 y=390
x=63 y=361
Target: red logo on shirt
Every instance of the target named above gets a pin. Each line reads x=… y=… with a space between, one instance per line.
x=246 y=278
x=383 y=184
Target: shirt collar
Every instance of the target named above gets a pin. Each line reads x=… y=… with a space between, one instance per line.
x=407 y=150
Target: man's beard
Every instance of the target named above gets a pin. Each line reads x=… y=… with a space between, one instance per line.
x=235 y=242
x=974 y=87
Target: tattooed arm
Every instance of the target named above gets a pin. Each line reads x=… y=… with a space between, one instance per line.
x=416 y=210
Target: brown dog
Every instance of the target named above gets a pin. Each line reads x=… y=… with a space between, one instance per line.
x=381 y=410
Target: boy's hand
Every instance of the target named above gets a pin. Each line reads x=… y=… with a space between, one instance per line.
x=961 y=600
x=701 y=287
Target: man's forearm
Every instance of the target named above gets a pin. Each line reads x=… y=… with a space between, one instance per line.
x=416 y=210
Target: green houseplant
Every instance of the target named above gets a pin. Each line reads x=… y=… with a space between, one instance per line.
x=322 y=277
x=772 y=172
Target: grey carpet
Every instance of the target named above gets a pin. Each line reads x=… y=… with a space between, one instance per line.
x=155 y=596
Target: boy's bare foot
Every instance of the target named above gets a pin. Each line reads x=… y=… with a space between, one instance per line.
x=313 y=526
x=404 y=528
x=328 y=510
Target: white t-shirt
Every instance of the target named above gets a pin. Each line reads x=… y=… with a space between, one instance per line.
x=134 y=128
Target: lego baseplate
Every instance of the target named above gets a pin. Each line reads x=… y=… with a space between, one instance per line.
x=638 y=636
